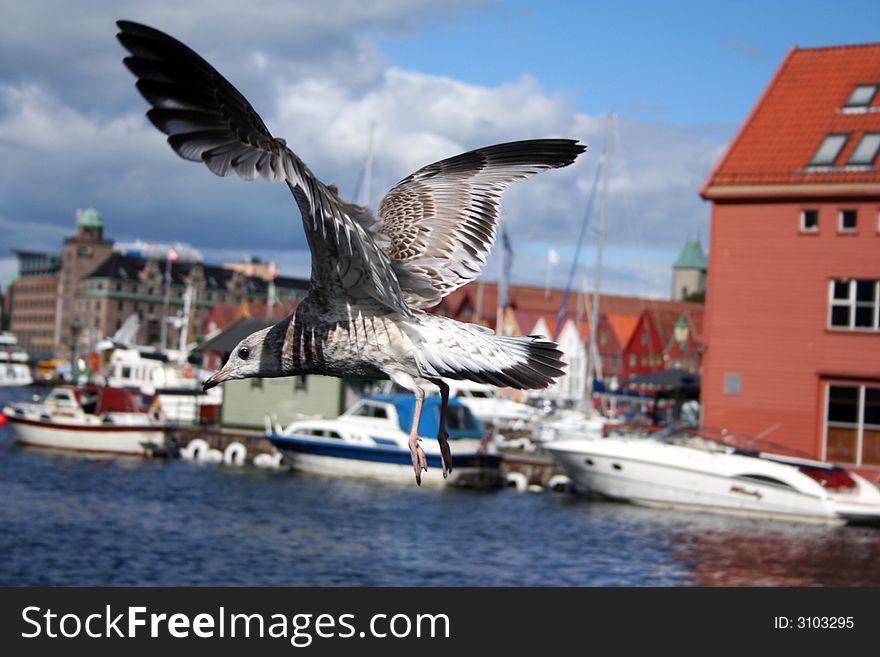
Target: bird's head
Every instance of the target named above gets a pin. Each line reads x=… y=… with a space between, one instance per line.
x=258 y=355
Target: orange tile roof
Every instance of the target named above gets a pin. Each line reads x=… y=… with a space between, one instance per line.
x=623 y=326
x=800 y=106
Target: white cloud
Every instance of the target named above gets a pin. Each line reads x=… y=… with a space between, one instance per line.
x=59 y=152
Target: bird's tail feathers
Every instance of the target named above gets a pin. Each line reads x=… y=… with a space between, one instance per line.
x=522 y=362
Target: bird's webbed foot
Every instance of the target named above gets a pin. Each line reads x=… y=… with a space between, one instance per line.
x=419 y=460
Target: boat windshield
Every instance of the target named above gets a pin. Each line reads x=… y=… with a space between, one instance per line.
x=721 y=439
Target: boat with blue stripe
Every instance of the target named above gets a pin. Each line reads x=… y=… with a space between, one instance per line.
x=370 y=440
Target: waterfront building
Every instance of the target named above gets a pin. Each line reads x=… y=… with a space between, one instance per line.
x=88 y=291
x=792 y=327
x=125 y=284
x=34 y=298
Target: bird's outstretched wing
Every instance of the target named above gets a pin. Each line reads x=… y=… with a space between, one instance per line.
x=438 y=224
x=208 y=120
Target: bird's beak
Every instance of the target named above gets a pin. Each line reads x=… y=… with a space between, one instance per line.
x=214 y=379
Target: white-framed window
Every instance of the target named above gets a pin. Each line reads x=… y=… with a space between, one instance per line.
x=847 y=220
x=852 y=423
x=854 y=304
x=809 y=220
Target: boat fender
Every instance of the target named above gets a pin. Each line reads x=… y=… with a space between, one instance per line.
x=195 y=449
x=234 y=454
x=559 y=483
x=155 y=412
x=212 y=456
x=268 y=460
x=517 y=480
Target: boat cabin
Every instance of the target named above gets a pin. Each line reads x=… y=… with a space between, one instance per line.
x=398 y=410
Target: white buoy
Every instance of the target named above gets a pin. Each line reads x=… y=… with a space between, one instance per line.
x=235 y=454
x=268 y=460
x=195 y=450
x=212 y=456
x=559 y=483
x=517 y=480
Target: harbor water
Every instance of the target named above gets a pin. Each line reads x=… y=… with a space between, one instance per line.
x=70 y=520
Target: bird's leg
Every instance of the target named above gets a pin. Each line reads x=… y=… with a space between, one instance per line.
x=419 y=460
x=442 y=436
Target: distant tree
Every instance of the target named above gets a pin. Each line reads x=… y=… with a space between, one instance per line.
x=697 y=297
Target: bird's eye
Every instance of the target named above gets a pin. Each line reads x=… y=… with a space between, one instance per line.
x=243 y=353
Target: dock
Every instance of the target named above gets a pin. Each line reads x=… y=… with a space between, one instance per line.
x=224 y=440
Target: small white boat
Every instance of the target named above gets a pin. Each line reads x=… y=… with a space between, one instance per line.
x=14 y=369
x=94 y=419
x=370 y=440
x=686 y=469
x=178 y=386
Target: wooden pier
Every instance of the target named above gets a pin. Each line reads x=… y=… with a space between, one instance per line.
x=220 y=438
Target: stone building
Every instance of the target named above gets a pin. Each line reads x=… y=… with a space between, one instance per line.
x=82 y=254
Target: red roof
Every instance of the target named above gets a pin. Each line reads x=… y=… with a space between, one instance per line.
x=803 y=103
x=534 y=302
x=623 y=326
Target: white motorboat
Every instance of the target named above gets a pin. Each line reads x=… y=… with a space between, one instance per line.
x=370 y=440
x=14 y=369
x=94 y=419
x=178 y=386
x=570 y=424
x=721 y=473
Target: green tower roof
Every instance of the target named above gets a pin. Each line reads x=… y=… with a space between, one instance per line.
x=692 y=256
x=89 y=218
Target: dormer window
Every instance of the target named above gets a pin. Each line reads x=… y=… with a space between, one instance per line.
x=862 y=95
x=866 y=151
x=829 y=149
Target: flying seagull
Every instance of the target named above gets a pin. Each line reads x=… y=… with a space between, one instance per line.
x=372 y=278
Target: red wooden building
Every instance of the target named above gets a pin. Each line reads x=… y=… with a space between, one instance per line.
x=792 y=324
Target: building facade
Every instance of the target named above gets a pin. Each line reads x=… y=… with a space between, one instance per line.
x=86 y=293
x=792 y=327
x=124 y=285
x=81 y=255
x=34 y=298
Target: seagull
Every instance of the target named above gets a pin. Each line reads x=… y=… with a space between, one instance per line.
x=373 y=278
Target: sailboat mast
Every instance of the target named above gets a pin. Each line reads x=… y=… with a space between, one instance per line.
x=592 y=355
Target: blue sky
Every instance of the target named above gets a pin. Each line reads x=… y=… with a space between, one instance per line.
x=691 y=63
x=437 y=79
